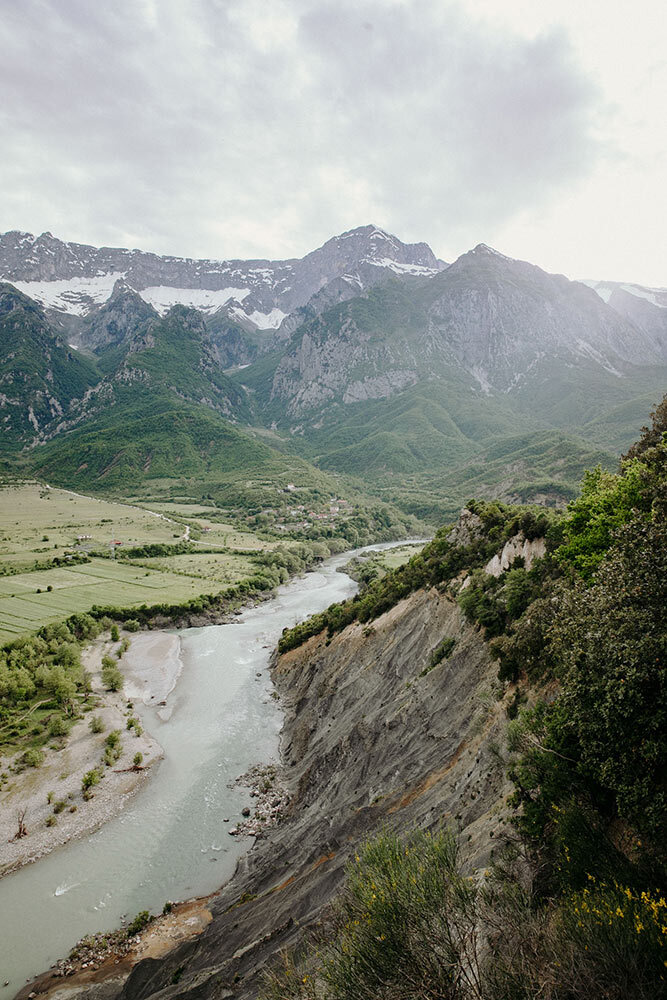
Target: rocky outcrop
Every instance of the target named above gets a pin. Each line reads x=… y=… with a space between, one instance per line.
x=119 y=319
x=40 y=377
x=372 y=738
x=515 y=548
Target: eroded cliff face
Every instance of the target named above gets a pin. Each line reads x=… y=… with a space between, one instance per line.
x=367 y=743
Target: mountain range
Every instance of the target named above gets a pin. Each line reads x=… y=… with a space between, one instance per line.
x=368 y=357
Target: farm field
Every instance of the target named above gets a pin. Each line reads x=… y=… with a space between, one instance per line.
x=39 y=524
x=214 y=532
x=391 y=558
x=224 y=567
x=76 y=588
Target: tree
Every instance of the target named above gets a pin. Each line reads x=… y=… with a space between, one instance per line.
x=610 y=641
x=21 y=830
x=96 y=724
x=89 y=779
x=111 y=675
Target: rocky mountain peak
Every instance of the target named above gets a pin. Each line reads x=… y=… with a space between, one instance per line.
x=371 y=244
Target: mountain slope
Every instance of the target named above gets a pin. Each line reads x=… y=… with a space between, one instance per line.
x=499 y=322
x=39 y=375
x=412 y=384
x=375 y=360
x=151 y=439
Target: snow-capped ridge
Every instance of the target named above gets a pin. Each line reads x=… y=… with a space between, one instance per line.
x=77 y=279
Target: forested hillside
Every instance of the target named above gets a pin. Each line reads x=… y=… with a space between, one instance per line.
x=574 y=905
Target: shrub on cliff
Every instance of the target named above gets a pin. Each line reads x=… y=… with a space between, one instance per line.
x=404 y=926
x=408 y=925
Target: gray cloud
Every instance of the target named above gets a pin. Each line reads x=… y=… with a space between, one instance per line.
x=248 y=127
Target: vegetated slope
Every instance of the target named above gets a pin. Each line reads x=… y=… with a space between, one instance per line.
x=544 y=630
x=175 y=353
x=579 y=634
x=504 y=324
x=155 y=438
x=39 y=375
x=108 y=332
x=418 y=384
x=156 y=414
x=164 y=416
x=490 y=376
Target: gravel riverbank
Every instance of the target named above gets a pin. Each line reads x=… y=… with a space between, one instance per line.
x=52 y=793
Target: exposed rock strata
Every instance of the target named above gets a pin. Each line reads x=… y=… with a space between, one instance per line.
x=367 y=743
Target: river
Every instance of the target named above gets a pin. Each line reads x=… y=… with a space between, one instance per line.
x=170 y=842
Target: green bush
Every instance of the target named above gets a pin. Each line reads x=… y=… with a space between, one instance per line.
x=606 y=503
x=96 y=725
x=405 y=925
x=113 y=747
x=141 y=921
x=58 y=726
x=112 y=678
x=603 y=941
x=90 y=779
x=32 y=758
x=442 y=651
x=133 y=723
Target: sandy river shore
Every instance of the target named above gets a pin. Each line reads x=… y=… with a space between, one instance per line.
x=151 y=668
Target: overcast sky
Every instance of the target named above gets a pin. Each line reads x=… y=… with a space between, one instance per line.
x=260 y=128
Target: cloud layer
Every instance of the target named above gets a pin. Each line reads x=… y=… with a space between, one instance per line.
x=261 y=127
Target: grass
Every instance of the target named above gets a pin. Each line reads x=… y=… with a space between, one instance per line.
x=223 y=567
x=391 y=558
x=375 y=565
x=215 y=527
x=38 y=524
x=78 y=588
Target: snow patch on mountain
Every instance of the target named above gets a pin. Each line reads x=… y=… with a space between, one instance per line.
x=605 y=289
x=397 y=268
x=267 y=321
x=208 y=301
x=656 y=296
x=71 y=295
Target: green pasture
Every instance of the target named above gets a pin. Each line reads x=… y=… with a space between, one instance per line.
x=214 y=532
x=391 y=558
x=38 y=523
x=77 y=588
x=224 y=568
